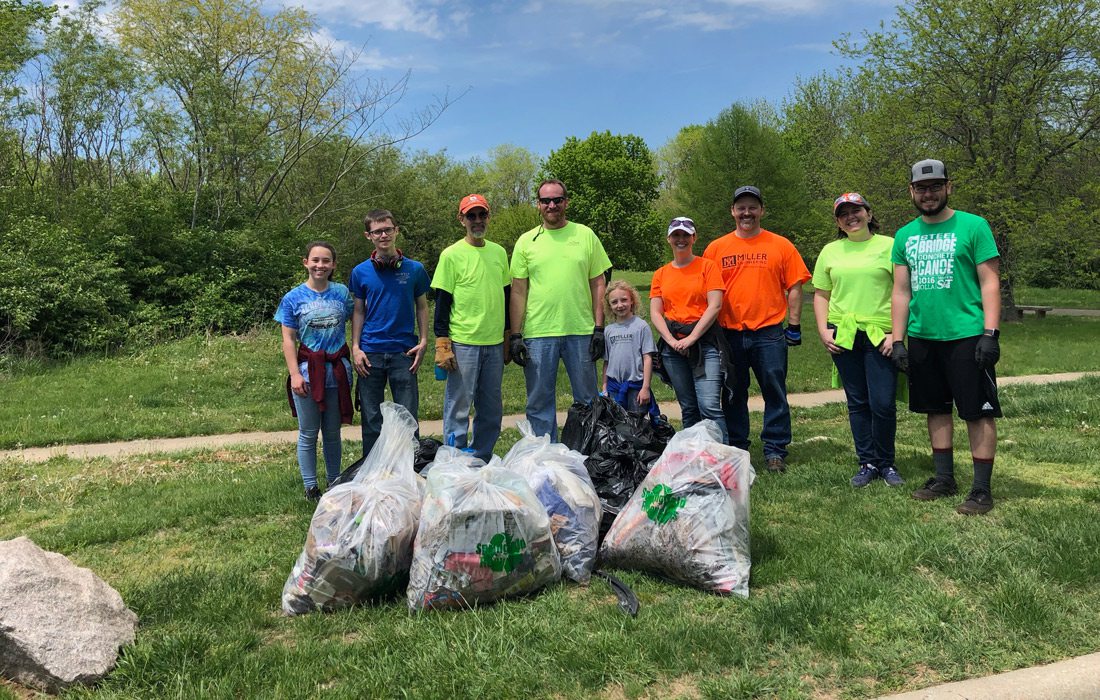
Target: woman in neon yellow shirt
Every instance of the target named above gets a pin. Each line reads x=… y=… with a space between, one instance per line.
x=854 y=278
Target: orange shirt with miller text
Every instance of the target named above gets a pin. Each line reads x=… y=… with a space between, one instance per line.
x=757 y=273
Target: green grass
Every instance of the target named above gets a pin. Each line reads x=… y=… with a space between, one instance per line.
x=1058 y=298
x=225 y=384
x=854 y=593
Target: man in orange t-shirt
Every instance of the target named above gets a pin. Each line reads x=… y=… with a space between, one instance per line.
x=763 y=274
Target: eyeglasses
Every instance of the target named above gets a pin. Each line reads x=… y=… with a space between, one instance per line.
x=387 y=231
x=925 y=189
x=476 y=215
x=551 y=200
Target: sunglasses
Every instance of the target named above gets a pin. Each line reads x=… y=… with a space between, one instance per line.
x=551 y=200
x=476 y=215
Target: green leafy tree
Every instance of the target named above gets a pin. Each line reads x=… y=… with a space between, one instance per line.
x=743 y=146
x=612 y=182
x=1001 y=90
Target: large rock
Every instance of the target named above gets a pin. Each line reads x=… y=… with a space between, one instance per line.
x=60 y=624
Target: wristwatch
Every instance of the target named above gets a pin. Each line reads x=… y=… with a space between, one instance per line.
x=992 y=332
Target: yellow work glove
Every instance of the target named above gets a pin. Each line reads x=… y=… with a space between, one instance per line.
x=445 y=355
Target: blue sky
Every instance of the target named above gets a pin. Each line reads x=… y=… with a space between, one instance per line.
x=535 y=72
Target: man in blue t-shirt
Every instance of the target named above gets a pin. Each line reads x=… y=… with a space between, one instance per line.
x=390 y=307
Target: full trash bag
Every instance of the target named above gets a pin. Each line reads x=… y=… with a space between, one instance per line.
x=621 y=447
x=560 y=481
x=483 y=536
x=359 y=544
x=689 y=519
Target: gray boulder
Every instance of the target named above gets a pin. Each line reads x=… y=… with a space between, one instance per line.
x=60 y=624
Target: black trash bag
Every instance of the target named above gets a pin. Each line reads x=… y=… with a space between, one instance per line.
x=621 y=447
x=425 y=454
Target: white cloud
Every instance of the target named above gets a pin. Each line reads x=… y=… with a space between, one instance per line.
x=392 y=15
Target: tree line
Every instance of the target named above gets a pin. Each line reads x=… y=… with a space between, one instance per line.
x=160 y=178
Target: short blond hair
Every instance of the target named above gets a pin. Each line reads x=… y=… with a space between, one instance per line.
x=627 y=287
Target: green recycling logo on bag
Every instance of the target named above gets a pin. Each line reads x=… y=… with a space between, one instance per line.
x=660 y=505
x=502 y=553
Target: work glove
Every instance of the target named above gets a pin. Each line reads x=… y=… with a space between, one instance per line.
x=987 y=352
x=518 y=349
x=597 y=345
x=793 y=334
x=900 y=356
x=445 y=355
x=507 y=349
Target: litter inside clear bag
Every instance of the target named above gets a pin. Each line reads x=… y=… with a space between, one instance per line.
x=483 y=536
x=689 y=519
x=359 y=544
x=561 y=482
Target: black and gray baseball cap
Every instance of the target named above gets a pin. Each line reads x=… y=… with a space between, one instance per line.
x=747 y=190
x=928 y=170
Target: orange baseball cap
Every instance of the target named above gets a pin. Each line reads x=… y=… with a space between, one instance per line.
x=471 y=201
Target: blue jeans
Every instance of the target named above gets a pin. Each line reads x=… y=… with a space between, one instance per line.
x=541 y=374
x=699 y=397
x=870 y=384
x=394 y=368
x=310 y=422
x=765 y=351
x=476 y=382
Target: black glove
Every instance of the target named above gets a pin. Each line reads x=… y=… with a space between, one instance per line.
x=793 y=334
x=597 y=345
x=987 y=352
x=518 y=349
x=900 y=356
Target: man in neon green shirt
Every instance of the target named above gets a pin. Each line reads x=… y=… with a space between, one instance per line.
x=557 y=307
x=470 y=326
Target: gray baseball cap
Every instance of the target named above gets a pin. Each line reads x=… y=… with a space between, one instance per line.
x=747 y=190
x=928 y=170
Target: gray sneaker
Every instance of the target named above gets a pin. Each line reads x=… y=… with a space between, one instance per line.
x=891 y=477
x=776 y=464
x=866 y=474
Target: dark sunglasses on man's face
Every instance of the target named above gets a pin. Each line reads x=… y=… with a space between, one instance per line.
x=477 y=215
x=551 y=200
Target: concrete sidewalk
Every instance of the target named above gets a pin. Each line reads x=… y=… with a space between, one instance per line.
x=1072 y=679
x=428 y=427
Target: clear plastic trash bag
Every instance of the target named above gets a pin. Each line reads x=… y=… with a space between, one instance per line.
x=689 y=519
x=561 y=482
x=359 y=544
x=483 y=536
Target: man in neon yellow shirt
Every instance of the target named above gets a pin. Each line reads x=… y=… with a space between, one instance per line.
x=557 y=307
x=470 y=326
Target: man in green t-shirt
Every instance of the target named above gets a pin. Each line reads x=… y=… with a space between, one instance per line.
x=471 y=323
x=947 y=299
x=557 y=307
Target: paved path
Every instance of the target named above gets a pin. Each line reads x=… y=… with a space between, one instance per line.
x=1072 y=679
x=1074 y=312
x=430 y=427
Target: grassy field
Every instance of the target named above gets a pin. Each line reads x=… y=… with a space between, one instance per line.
x=226 y=384
x=854 y=593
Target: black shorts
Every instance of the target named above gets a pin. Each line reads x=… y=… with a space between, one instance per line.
x=942 y=371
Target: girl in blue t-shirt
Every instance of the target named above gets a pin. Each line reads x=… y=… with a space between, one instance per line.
x=314 y=317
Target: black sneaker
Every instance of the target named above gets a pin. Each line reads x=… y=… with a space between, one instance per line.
x=776 y=464
x=313 y=493
x=977 y=503
x=936 y=488
x=866 y=474
x=891 y=477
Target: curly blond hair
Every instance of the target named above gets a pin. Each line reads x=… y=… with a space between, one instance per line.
x=635 y=299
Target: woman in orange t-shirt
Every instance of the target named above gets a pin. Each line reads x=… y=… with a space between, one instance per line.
x=685 y=298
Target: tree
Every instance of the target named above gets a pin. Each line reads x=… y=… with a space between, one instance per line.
x=508 y=178
x=612 y=182
x=245 y=96
x=742 y=146
x=1002 y=90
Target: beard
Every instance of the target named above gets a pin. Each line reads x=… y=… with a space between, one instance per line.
x=478 y=234
x=940 y=206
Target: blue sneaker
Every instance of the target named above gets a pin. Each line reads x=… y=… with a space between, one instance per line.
x=866 y=474
x=891 y=477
